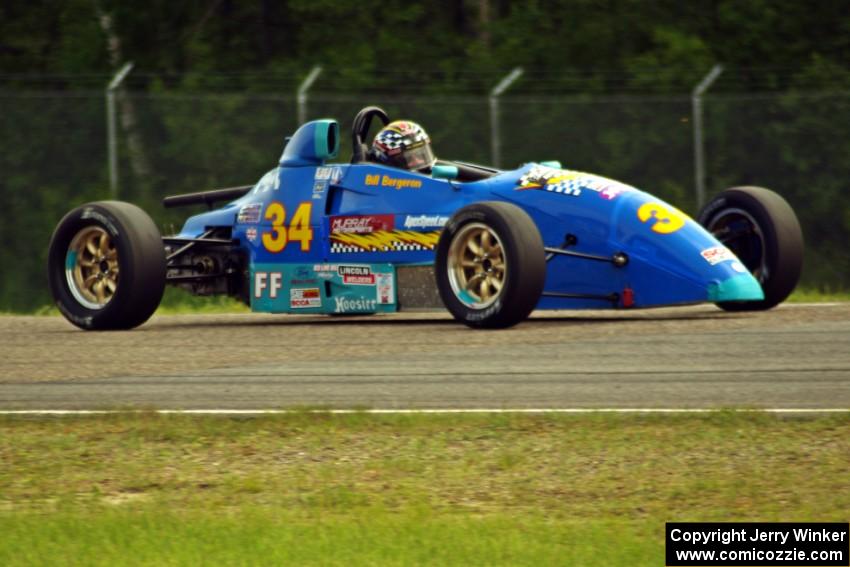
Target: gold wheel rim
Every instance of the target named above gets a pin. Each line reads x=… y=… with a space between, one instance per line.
x=91 y=267
x=477 y=266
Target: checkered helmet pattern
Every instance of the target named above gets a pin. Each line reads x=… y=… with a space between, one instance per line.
x=403 y=144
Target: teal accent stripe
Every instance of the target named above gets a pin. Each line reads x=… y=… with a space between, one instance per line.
x=320 y=133
x=71 y=259
x=737 y=288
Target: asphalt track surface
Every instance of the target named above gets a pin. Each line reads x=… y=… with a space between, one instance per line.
x=795 y=356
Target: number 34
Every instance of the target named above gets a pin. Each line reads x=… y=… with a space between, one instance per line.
x=276 y=238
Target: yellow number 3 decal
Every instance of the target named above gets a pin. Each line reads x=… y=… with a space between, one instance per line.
x=276 y=238
x=666 y=219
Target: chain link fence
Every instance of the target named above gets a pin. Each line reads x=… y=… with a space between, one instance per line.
x=53 y=154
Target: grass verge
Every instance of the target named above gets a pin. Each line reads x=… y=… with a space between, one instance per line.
x=400 y=490
x=175 y=301
x=812 y=295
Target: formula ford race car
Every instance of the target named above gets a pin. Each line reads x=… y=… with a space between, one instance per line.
x=362 y=237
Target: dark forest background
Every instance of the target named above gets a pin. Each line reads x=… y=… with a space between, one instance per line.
x=606 y=88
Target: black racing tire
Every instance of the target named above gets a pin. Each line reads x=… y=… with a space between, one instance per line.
x=761 y=229
x=106 y=266
x=497 y=287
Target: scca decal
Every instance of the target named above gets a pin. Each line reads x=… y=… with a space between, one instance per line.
x=665 y=219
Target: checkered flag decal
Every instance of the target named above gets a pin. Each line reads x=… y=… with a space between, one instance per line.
x=568 y=187
x=550 y=179
x=340 y=248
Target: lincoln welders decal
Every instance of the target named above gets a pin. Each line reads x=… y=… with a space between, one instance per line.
x=356 y=275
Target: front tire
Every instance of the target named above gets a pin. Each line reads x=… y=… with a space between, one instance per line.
x=761 y=229
x=490 y=265
x=106 y=266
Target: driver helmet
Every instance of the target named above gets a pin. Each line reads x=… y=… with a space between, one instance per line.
x=403 y=144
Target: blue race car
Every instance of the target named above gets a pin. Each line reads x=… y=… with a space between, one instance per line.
x=396 y=229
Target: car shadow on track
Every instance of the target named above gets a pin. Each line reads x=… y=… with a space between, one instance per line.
x=417 y=320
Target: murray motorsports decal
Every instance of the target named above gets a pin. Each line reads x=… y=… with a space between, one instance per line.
x=378 y=233
x=362 y=224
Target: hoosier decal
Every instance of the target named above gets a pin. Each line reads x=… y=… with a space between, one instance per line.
x=354 y=305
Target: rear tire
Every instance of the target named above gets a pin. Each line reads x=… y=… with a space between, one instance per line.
x=106 y=266
x=490 y=265
x=761 y=229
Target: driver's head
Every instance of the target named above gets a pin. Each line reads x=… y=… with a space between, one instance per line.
x=403 y=144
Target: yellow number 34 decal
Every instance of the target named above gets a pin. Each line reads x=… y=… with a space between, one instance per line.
x=277 y=237
x=666 y=220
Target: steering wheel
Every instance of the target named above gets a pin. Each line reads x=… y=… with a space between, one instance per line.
x=360 y=129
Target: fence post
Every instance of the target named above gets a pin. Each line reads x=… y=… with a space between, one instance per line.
x=302 y=93
x=495 y=140
x=699 y=151
x=111 y=133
